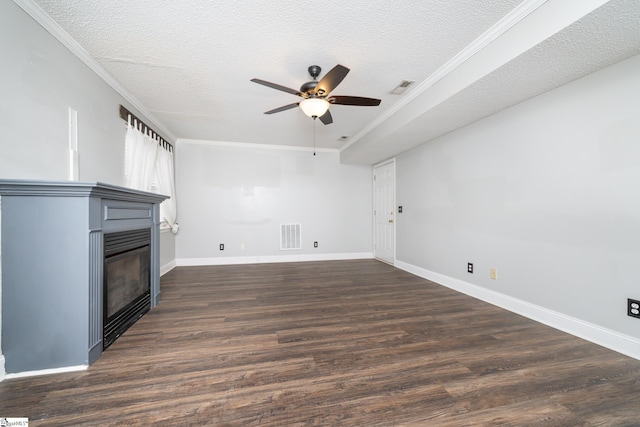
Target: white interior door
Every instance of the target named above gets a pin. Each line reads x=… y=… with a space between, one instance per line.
x=384 y=196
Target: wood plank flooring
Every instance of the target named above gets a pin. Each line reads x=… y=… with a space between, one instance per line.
x=340 y=343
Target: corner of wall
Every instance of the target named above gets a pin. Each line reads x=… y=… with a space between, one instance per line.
x=165 y=268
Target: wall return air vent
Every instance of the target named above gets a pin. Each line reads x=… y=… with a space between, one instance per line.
x=290 y=237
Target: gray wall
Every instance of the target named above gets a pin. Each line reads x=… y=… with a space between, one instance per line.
x=241 y=195
x=167 y=251
x=546 y=192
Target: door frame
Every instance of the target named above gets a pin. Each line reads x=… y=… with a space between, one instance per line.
x=392 y=162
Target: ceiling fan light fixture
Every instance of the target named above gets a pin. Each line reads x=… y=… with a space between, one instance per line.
x=314 y=107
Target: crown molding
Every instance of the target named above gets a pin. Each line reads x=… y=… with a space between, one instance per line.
x=42 y=18
x=523 y=10
x=254 y=145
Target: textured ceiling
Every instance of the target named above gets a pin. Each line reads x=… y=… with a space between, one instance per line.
x=190 y=63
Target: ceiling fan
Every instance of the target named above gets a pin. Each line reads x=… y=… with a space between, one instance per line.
x=316 y=96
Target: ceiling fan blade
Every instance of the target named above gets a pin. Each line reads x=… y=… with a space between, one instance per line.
x=283 y=108
x=354 y=100
x=326 y=118
x=277 y=86
x=331 y=80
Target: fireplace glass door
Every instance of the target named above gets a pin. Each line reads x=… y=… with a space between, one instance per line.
x=127 y=280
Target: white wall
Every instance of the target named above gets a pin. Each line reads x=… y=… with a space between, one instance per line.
x=546 y=192
x=241 y=195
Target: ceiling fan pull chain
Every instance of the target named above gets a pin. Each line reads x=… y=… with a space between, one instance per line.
x=314 y=135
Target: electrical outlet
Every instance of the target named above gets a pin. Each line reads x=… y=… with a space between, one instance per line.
x=242 y=247
x=470 y=267
x=633 y=308
x=222 y=246
x=493 y=273
x=315 y=244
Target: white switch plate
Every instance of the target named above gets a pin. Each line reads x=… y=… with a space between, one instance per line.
x=74 y=169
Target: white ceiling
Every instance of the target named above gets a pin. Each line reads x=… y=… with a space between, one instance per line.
x=189 y=63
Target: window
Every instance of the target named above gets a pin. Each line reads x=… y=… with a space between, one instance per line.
x=148 y=165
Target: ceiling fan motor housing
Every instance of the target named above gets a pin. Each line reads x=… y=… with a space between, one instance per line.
x=308 y=86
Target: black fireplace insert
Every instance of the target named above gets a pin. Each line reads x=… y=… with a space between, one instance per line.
x=127 y=281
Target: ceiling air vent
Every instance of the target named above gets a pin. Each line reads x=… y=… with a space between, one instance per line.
x=402 y=86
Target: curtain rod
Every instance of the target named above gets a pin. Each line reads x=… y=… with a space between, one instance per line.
x=126 y=114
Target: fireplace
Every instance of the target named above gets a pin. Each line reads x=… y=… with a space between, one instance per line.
x=126 y=284
x=80 y=264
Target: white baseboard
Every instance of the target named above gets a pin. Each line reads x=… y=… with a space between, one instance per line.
x=183 y=262
x=167 y=267
x=596 y=334
x=46 y=372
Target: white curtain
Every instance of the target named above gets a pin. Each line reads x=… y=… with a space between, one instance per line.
x=166 y=186
x=140 y=160
x=148 y=167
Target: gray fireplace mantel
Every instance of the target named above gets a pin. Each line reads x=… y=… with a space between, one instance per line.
x=52 y=266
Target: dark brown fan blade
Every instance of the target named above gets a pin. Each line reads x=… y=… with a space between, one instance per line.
x=283 y=108
x=331 y=80
x=326 y=118
x=277 y=86
x=354 y=100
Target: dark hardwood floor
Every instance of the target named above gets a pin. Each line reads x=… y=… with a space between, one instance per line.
x=344 y=343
